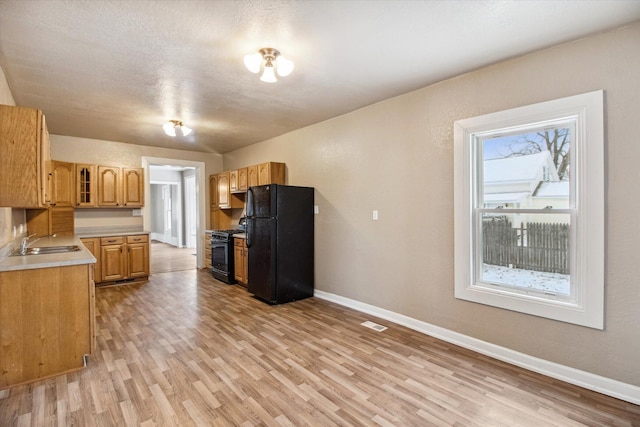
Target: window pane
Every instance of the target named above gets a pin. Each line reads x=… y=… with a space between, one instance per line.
x=527 y=170
x=526 y=251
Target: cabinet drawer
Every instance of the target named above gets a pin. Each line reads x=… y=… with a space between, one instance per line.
x=239 y=242
x=142 y=238
x=118 y=240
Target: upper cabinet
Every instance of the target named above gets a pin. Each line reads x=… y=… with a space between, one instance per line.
x=270 y=173
x=24 y=158
x=86 y=186
x=62 y=184
x=120 y=187
x=224 y=190
x=213 y=191
x=133 y=187
x=252 y=176
x=109 y=186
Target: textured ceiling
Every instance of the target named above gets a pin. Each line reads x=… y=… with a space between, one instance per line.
x=117 y=70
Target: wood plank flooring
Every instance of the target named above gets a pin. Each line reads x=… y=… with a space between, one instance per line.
x=184 y=349
x=165 y=258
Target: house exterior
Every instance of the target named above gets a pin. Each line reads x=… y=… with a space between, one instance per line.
x=525 y=182
x=396 y=157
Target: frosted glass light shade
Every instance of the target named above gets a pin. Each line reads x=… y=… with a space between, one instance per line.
x=169 y=128
x=268 y=76
x=185 y=130
x=252 y=62
x=285 y=67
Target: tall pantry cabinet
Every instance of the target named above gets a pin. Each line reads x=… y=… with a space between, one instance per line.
x=24 y=158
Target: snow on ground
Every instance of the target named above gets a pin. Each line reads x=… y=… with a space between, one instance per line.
x=551 y=282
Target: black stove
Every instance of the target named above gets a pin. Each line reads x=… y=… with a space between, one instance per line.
x=222 y=265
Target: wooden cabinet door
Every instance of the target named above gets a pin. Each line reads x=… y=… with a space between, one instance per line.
x=113 y=262
x=138 y=254
x=62 y=180
x=109 y=186
x=270 y=173
x=93 y=245
x=24 y=158
x=224 y=192
x=252 y=176
x=213 y=191
x=238 y=258
x=233 y=181
x=242 y=180
x=86 y=186
x=133 y=187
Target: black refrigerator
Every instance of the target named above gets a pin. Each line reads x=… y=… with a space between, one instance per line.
x=280 y=242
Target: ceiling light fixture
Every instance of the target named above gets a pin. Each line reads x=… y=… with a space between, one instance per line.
x=172 y=125
x=272 y=60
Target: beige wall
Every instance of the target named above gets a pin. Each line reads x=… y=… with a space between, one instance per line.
x=93 y=151
x=397 y=157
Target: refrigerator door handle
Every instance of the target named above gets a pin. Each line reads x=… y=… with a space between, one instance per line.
x=250 y=207
x=249 y=231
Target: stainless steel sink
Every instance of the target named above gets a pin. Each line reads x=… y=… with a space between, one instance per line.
x=44 y=250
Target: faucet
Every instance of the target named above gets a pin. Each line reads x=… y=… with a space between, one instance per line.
x=23 y=244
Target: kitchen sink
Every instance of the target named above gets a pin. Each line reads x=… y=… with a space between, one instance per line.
x=44 y=250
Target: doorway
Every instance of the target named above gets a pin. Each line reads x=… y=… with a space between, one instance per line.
x=174 y=213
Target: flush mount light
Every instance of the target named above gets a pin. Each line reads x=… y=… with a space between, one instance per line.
x=172 y=127
x=272 y=60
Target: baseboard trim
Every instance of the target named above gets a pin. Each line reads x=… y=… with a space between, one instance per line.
x=610 y=387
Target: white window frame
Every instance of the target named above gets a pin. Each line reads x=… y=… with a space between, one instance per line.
x=586 y=306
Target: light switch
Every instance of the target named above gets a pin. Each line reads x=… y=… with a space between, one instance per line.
x=316 y=209
x=375 y=215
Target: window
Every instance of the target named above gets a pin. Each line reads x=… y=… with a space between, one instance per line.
x=529 y=209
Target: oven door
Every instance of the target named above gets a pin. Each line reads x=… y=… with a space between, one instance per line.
x=220 y=256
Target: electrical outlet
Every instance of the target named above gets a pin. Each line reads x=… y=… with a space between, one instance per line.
x=375 y=215
x=316 y=209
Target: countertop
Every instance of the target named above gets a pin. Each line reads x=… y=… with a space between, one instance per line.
x=27 y=262
x=240 y=235
x=88 y=232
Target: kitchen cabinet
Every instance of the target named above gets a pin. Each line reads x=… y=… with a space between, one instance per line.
x=206 y=244
x=138 y=256
x=233 y=181
x=252 y=176
x=86 y=186
x=47 y=322
x=43 y=222
x=93 y=245
x=109 y=186
x=271 y=173
x=120 y=187
x=133 y=187
x=238 y=180
x=213 y=191
x=24 y=158
x=124 y=257
x=240 y=258
x=62 y=184
x=224 y=191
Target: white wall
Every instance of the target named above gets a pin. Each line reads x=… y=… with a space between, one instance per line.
x=397 y=157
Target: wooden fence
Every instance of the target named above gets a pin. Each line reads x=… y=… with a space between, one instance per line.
x=534 y=246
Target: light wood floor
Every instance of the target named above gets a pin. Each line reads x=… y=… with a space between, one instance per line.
x=184 y=349
x=165 y=258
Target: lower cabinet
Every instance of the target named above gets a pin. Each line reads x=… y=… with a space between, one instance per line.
x=120 y=257
x=207 y=249
x=47 y=322
x=240 y=258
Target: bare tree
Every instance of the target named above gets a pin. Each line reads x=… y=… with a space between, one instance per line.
x=556 y=141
